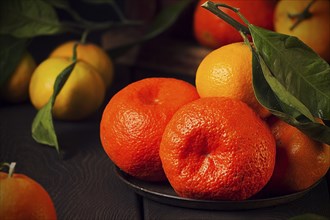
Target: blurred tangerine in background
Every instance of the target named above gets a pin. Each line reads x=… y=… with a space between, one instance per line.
x=16 y=88
x=213 y=32
x=313 y=28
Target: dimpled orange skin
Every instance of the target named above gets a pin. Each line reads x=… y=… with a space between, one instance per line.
x=134 y=120
x=227 y=71
x=300 y=161
x=217 y=148
x=23 y=198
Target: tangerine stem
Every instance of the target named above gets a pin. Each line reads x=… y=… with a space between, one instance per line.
x=305 y=14
x=11 y=169
x=74 y=52
x=214 y=8
x=84 y=36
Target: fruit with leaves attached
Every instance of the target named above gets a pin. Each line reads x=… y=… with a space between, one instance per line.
x=213 y=32
x=91 y=54
x=82 y=94
x=227 y=71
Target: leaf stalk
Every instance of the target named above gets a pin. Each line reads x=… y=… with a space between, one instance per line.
x=214 y=8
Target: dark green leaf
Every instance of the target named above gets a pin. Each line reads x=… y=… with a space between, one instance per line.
x=268 y=98
x=11 y=52
x=25 y=19
x=287 y=101
x=42 y=127
x=162 y=22
x=297 y=68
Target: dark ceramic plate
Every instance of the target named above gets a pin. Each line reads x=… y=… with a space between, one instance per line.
x=164 y=193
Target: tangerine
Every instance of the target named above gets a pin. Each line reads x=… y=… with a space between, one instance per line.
x=313 y=29
x=133 y=122
x=300 y=161
x=16 y=88
x=23 y=198
x=217 y=148
x=227 y=71
x=82 y=94
x=91 y=54
x=213 y=32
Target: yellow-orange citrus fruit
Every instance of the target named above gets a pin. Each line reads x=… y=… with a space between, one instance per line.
x=16 y=88
x=313 y=31
x=23 y=198
x=217 y=148
x=134 y=120
x=91 y=54
x=213 y=32
x=227 y=71
x=300 y=161
x=82 y=94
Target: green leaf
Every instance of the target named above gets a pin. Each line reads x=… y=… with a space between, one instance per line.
x=24 y=19
x=297 y=68
x=11 y=53
x=42 y=127
x=269 y=99
x=287 y=101
x=165 y=19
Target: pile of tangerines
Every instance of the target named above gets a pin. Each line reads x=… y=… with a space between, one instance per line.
x=214 y=141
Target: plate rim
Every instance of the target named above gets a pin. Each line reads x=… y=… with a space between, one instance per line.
x=219 y=205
